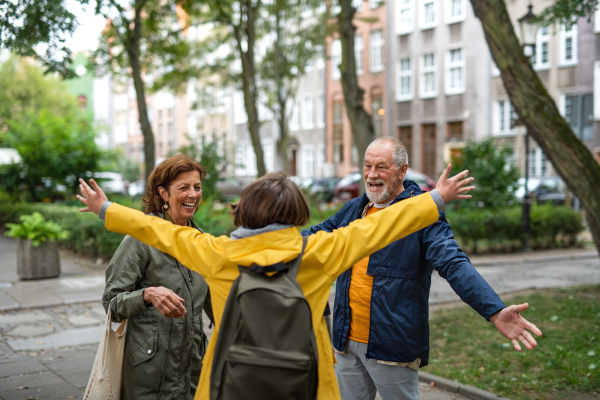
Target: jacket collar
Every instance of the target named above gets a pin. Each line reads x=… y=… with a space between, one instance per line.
x=266 y=248
x=242 y=232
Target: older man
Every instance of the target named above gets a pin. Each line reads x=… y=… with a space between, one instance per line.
x=380 y=321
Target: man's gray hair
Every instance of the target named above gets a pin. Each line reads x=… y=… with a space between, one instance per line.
x=399 y=154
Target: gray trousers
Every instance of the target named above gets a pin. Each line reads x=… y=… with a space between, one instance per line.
x=361 y=379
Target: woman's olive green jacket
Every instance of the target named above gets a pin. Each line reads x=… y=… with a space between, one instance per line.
x=163 y=356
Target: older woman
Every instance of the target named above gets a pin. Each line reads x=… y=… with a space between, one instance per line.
x=160 y=297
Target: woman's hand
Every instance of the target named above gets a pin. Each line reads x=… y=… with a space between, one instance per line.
x=92 y=198
x=166 y=301
x=454 y=188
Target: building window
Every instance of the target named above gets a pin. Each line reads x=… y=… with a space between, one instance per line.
x=308 y=161
x=404 y=88
x=455 y=11
x=376 y=51
x=377 y=113
x=321 y=112
x=428 y=14
x=294 y=120
x=336 y=59
x=428 y=83
x=307 y=113
x=454 y=131
x=577 y=109
x=538 y=163
x=358 y=53
x=455 y=72
x=405 y=21
x=405 y=135
x=568 y=44
x=338 y=132
x=504 y=115
x=542 y=48
x=428 y=139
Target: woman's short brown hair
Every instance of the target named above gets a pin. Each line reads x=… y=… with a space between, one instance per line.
x=273 y=198
x=163 y=175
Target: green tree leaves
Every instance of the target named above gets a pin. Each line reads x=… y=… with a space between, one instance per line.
x=495 y=178
x=42 y=122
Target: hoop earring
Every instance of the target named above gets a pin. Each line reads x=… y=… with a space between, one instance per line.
x=165 y=206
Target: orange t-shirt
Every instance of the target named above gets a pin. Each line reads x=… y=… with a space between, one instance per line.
x=359 y=296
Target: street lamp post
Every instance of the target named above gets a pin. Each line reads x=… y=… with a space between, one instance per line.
x=528 y=26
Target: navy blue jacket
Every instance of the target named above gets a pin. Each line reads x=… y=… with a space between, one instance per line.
x=401 y=273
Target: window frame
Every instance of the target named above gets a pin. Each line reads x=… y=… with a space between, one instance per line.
x=572 y=34
x=423 y=24
x=376 y=51
x=409 y=7
x=425 y=70
x=404 y=74
x=452 y=66
x=449 y=18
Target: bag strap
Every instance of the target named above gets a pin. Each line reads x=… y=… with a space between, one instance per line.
x=107 y=327
x=295 y=265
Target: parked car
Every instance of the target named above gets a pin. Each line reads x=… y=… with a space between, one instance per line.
x=553 y=190
x=231 y=188
x=137 y=188
x=324 y=188
x=111 y=182
x=348 y=187
x=304 y=183
x=532 y=184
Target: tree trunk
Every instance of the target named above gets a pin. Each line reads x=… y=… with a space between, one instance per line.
x=133 y=52
x=284 y=135
x=249 y=80
x=363 y=130
x=537 y=110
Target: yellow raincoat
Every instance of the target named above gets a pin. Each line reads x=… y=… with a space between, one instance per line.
x=327 y=255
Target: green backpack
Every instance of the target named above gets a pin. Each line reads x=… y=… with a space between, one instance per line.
x=266 y=348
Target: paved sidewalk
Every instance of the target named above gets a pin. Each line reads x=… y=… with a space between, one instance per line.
x=49 y=329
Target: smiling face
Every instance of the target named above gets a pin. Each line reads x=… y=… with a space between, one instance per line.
x=183 y=196
x=383 y=180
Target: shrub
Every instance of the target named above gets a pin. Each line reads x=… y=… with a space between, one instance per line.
x=35 y=228
x=501 y=229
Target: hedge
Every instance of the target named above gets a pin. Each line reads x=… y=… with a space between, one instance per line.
x=502 y=229
x=89 y=237
x=498 y=230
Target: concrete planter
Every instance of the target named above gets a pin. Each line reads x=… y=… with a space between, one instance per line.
x=37 y=262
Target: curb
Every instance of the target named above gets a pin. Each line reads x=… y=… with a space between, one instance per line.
x=536 y=260
x=468 y=391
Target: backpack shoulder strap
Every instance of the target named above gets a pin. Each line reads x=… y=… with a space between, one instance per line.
x=295 y=264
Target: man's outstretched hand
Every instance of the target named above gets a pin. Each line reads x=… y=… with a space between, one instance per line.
x=93 y=197
x=512 y=325
x=454 y=188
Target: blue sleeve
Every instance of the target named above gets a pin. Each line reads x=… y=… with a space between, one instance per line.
x=445 y=255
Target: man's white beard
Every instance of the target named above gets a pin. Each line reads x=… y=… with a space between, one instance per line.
x=378 y=197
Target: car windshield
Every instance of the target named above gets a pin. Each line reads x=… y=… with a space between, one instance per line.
x=350 y=178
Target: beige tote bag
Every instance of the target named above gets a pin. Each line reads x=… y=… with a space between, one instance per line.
x=105 y=379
